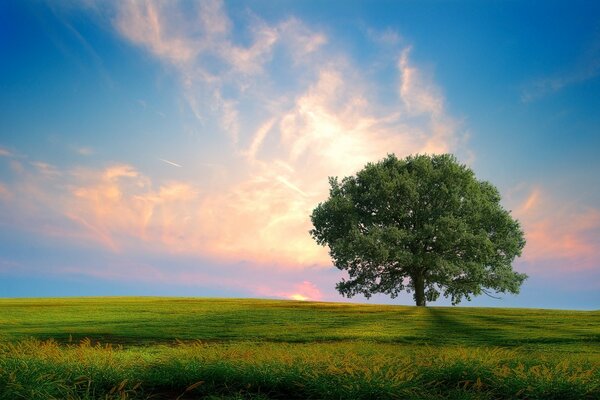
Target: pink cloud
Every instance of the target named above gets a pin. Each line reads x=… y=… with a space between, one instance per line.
x=4 y=192
x=263 y=220
x=120 y=205
x=559 y=231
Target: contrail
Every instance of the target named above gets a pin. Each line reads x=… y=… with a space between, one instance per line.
x=291 y=186
x=171 y=163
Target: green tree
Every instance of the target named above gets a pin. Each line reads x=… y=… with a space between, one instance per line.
x=423 y=224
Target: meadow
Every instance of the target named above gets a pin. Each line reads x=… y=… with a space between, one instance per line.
x=179 y=348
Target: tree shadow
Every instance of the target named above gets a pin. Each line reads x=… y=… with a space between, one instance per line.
x=446 y=329
x=460 y=327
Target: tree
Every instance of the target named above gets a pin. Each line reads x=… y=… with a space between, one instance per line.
x=423 y=224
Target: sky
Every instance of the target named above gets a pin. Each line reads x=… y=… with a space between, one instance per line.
x=178 y=148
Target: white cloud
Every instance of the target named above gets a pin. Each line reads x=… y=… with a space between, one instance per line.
x=146 y=23
x=419 y=94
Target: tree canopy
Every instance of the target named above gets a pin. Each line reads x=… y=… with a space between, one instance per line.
x=423 y=224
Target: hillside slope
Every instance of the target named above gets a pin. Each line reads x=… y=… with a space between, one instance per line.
x=167 y=348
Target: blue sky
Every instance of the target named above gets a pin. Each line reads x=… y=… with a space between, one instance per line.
x=177 y=148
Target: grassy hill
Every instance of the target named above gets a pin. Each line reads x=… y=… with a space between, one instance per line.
x=123 y=348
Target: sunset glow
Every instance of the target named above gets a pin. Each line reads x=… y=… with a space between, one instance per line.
x=299 y=297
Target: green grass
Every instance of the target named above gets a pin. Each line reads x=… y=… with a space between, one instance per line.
x=162 y=348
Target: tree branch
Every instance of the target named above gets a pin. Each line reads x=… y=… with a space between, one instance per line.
x=488 y=294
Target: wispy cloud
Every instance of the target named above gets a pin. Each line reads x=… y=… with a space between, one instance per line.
x=144 y=23
x=586 y=69
x=75 y=36
x=258 y=139
x=84 y=151
x=291 y=185
x=547 y=86
x=419 y=95
x=45 y=168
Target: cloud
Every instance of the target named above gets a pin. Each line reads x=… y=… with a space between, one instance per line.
x=291 y=108
x=300 y=40
x=258 y=139
x=45 y=168
x=587 y=68
x=84 y=151
x=198 y=41
x=387 y=37
x=547 y=86
x=332 y=126
x=5 y=153
x=567 y=235
x=121 y=205
x=4 y=192
x=419 y=94
x=144 y=23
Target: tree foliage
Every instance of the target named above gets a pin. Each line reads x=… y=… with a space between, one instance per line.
x=423 y=224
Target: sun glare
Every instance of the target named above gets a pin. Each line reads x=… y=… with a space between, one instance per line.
x=299 y=297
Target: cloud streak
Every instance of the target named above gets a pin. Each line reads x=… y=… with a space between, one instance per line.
x=587 y=68
x=170 y=163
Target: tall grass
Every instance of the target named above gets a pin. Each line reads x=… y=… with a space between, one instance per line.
x=351 y=370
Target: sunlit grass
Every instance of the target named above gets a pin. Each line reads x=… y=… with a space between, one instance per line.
x=234 y=349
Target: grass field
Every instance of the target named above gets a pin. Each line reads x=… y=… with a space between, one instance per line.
x=168 y=348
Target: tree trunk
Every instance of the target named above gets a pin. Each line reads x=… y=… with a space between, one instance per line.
x=419 y=283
